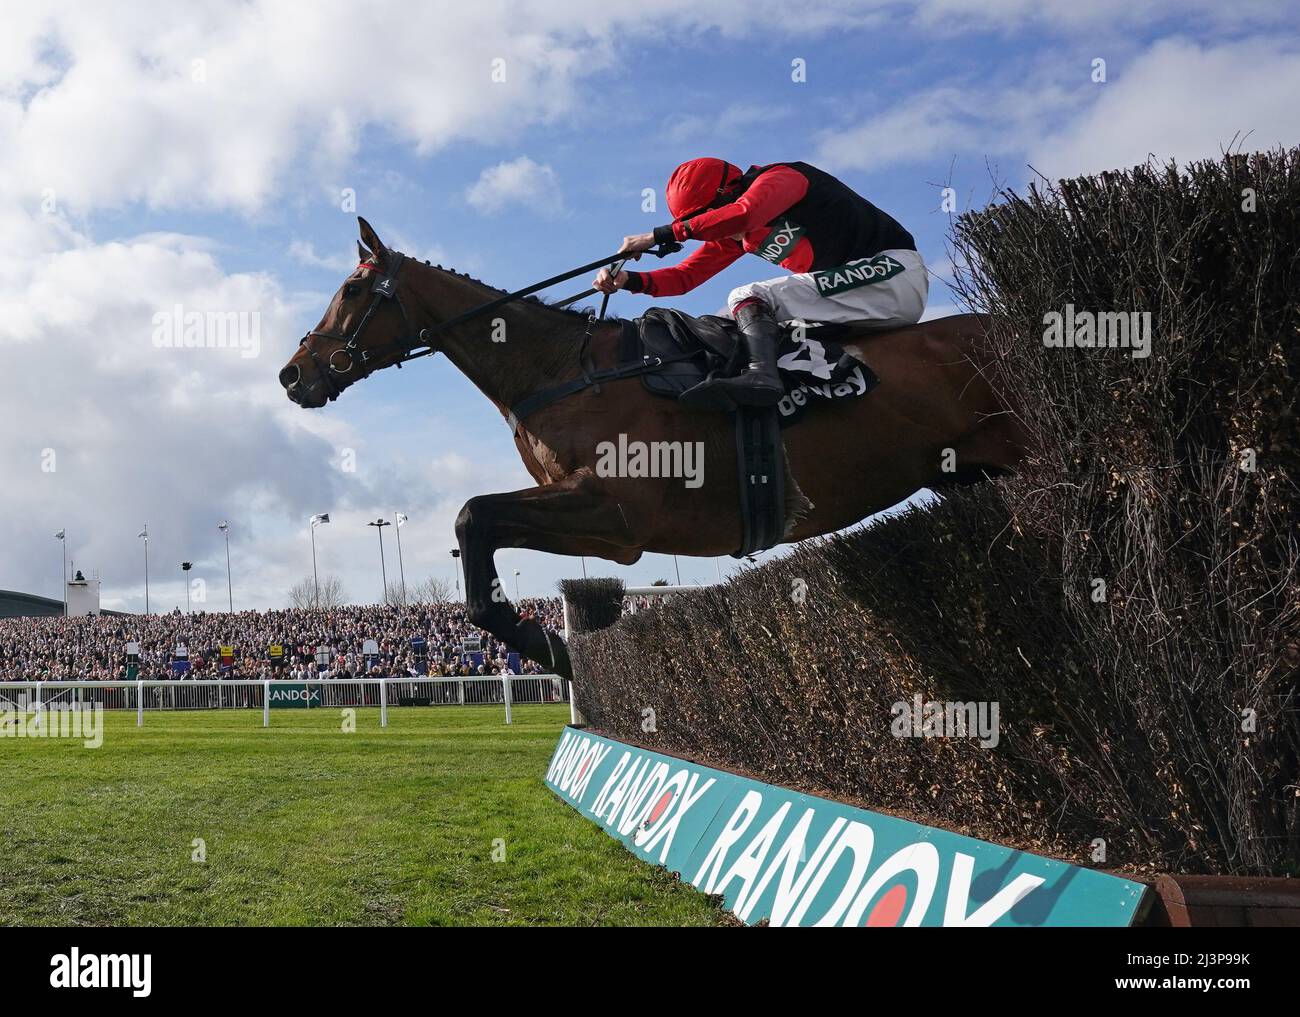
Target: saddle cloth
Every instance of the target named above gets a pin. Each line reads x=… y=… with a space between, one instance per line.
x=812 y=363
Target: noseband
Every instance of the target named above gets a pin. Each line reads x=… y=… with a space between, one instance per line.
x=350 y=356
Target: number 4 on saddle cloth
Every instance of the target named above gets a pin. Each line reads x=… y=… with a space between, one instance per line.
x=813 y=367
x=812 y=364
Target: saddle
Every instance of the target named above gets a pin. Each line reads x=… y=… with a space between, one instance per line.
x=688 y=349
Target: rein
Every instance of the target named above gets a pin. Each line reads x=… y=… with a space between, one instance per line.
x=385 y=288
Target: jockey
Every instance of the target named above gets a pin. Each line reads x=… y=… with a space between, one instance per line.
x=850 y=261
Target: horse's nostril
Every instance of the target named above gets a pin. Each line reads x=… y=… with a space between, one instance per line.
x=290 y=376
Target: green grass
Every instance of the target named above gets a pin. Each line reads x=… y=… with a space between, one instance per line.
x=306 y=825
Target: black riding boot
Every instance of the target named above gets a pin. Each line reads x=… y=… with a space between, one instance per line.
x=759 y=384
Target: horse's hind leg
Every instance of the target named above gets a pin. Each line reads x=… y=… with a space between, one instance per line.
x=574 y=516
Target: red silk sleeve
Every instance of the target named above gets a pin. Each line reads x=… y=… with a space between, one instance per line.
x=697 y=267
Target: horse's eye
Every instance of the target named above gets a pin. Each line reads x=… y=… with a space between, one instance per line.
x=350 y=290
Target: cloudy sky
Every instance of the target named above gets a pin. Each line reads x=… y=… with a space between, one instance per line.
x=199 y=155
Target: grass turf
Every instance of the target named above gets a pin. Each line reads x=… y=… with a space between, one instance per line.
x=306 y=825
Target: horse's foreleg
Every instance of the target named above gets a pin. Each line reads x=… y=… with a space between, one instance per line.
x=572 y=517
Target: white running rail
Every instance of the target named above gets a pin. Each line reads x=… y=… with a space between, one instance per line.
x=248 y=694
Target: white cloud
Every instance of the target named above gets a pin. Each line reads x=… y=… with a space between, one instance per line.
x=209 y=105
x=1181 y=101
x=1174 y=100
x=520 y=182
x=729 y=122
x=937 y=124
x=212 y=105
x=304 y=253
x=135 y=432
x=1070 y=16
x=928 y=125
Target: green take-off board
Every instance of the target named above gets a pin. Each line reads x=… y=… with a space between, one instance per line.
x=795 y=859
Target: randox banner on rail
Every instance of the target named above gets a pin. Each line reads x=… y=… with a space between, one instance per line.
x=294 y=695
x=796 y=859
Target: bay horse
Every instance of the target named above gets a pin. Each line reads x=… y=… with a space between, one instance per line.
x=933 y=409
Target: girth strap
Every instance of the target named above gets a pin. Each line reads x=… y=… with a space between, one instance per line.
x=588 y=379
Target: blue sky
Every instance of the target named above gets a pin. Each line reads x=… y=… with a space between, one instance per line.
x=198 y=156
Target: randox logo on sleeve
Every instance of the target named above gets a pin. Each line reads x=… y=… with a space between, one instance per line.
x=778 y=244
x=862 y=272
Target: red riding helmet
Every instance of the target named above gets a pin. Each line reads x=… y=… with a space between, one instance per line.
x=696 y=184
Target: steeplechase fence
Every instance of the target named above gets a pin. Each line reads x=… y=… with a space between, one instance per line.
x=630 y=600
x=505 y=691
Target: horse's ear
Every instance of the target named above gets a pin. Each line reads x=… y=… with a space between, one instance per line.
x=362 y=254
x=371 y=239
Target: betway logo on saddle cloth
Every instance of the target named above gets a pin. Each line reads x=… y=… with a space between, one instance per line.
x=794 y=859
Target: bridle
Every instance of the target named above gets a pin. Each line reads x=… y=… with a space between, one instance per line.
x=385 y=288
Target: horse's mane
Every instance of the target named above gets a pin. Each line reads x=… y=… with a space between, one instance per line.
x=573 y=312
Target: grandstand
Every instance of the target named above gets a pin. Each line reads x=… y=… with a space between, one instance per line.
x=27 y=605
x=30 y=605
x=434 y=639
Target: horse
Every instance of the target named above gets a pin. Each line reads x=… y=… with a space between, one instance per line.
x=932 y=421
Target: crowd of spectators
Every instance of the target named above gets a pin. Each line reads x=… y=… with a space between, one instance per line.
x=94 y=648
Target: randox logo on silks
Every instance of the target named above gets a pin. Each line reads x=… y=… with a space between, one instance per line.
x=778 y=244
x=795 y=859
x=862 y=272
